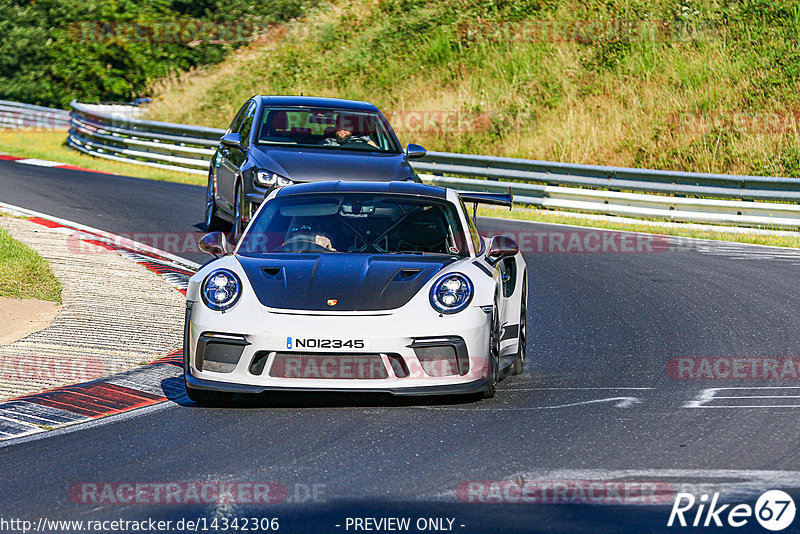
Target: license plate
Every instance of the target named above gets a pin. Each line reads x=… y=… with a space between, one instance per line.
x=324 y=343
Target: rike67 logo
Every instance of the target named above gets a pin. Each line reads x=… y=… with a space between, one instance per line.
x=774 y=510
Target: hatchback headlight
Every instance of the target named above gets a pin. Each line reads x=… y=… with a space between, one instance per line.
x=268 y=179
x=221 y=289
x=451 y=293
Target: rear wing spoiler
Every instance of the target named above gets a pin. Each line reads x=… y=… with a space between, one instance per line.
x=497 y=199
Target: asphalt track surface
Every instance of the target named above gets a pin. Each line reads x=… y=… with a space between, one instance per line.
x=596 y=399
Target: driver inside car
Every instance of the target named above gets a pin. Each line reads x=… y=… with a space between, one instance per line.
x=344 y=134
x=299 y=237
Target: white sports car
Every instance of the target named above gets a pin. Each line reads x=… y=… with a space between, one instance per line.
x=357 y=286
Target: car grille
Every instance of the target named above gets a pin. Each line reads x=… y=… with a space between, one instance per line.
x=330 y=366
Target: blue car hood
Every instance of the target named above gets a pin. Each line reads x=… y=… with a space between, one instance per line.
x=358 y=282
x=316 y=164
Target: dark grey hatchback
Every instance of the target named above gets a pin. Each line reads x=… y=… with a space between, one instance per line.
x=279 y=140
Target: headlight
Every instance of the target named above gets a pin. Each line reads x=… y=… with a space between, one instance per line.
x=268 y=179
x=451 y=293
x=221 y=289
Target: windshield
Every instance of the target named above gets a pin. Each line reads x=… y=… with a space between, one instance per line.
x=328 y=128
x=356 y=223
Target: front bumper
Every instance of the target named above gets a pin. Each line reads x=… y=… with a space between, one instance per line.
x=401 y=342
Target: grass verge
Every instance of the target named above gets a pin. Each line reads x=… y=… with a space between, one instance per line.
x=545 y=216
x=24 y=274
x=50 y=146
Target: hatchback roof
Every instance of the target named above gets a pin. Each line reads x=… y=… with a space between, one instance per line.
x=315 y=102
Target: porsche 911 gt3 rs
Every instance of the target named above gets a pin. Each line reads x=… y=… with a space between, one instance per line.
x=357 y=286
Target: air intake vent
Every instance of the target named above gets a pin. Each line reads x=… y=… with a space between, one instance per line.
x=219 y=353
x=328 y=366
x=437 y=360
x=398 y=365
x=258 y=363
x=221 y=357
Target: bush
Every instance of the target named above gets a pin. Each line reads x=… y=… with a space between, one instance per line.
x=55 y=50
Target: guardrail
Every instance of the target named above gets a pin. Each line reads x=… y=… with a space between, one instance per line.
x=14 y=116
x=644 y=193
x=179 y=147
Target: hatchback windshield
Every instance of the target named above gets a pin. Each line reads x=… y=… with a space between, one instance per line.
x=326 y=128
x=355 y=223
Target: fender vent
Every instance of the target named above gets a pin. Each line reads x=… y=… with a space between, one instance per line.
x=272 y=272
x=404 y=275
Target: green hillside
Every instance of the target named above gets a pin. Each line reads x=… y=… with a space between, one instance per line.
x=693 y=85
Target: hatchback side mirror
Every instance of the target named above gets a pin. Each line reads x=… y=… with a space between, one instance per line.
x=415 y=151
x=232 y=139
x=214 y=243
x=501 y=247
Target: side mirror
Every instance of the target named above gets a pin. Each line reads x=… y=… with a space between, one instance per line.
x=232 y=140
x=415 y=151
x=501 y=247
x=214 y=244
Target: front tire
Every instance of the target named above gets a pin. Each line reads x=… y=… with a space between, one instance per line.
x=237 y=229
x=519 y=361
x=213 y=223
x=493 y=376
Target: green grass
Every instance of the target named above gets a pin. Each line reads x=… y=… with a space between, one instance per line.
x=24 y=274
x=546 y=216
x=49 y=145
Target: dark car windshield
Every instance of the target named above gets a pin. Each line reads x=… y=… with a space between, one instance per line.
x=328 y=128
x=356 y=223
